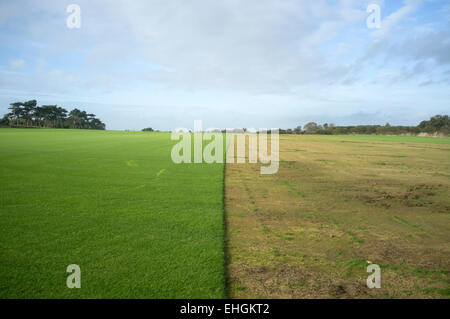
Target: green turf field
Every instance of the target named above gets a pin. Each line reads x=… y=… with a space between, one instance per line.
x=112 y=202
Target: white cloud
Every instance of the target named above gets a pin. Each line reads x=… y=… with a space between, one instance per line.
x=389 y=23
x=60 y=77
x=17 y=64
x=253 y=45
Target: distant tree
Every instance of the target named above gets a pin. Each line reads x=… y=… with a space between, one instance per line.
x=436 y=124
x=147 y=129
x=28 y=109
x=29 y=114
x=52 y=115
x=48 y=113
x=5 y=120
x=311 y=127
x=298 y=130
x=75 y=117
x=16 y=112
x=90 y=119
x=38 y=116
x=61 y=114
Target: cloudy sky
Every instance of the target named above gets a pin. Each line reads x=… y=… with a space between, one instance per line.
x=230 y=63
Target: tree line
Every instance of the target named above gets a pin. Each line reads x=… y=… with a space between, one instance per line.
x=28 y=114
x=439 y=124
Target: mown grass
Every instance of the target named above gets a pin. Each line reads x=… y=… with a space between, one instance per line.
x=138 y=225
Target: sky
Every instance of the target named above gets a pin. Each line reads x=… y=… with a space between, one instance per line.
x=231 y=64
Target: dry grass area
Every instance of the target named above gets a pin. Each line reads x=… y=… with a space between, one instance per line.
x=336 y=205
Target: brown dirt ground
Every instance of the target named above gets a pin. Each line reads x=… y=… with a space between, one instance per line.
x=336 y=205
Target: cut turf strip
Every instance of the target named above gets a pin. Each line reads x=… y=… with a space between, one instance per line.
x=336 y=205
x=114 y=203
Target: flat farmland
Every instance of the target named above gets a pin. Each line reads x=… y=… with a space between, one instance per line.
x=114 y=203
x=337 y=205
x=140 y=226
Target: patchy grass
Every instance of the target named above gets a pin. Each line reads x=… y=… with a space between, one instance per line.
x=114 y=203
x=337 y=204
